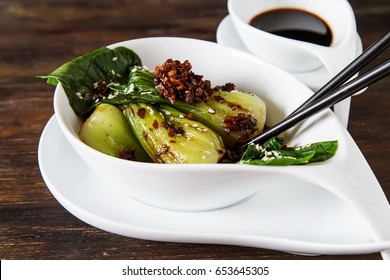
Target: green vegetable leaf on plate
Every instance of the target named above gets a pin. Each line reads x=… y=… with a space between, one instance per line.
x=87 y=77
x=275 y=152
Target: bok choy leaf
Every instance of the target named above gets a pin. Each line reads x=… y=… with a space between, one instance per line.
x=86 y=79
x=275 y=152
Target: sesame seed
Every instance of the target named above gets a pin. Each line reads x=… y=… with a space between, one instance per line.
x=188 y=138
x=207 y=152
x=112 y=95
x=195 y=125
x=205 y=130
x=211 y=111
x=113 y=72
x=181 y=116
x=260 y=148
x=129 y=89
x=114 y=58
x=79 y=95
x=302 y=147
x=151 y=111
x=203 y=157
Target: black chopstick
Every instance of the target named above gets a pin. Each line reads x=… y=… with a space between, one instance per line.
x=348 y=72
x=326 y=101
x=334 y=91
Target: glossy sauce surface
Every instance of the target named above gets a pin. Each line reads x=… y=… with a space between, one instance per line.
x=294 y=24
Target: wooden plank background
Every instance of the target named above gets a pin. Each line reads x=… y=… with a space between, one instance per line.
x=38 y=36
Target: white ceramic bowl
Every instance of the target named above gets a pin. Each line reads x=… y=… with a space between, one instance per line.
x=209 y=186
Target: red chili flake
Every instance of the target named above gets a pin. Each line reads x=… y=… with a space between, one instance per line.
x=226 y=87
x=245 y=125
x=169 y=127
x=155 y=124
x=179 y=130
x=286 y=148
x=166 y=125
x=231 y=156
x=141 y=112
x=176 y=81
x=128 y=154
x=99 y=89
x=219 y=99
x=190 y=116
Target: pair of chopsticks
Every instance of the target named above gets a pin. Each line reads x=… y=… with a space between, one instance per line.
x=335 y=90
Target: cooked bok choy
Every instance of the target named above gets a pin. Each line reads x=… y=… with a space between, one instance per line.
x=87 y=78
x=107 y=131
x=168 y=136
x=171 y=115
x=236 y=116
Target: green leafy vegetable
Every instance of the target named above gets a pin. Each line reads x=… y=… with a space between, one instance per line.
x=139 y=88
x=87 y=78
x=274 y=152
x=170 y=133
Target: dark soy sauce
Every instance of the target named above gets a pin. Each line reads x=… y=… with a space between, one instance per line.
x=294 y=24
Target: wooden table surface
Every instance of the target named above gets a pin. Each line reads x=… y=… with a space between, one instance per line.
x=38 y=36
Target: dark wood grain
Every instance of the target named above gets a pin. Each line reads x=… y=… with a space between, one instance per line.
x=38 y=36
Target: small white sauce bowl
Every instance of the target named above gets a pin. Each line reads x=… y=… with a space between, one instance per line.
x=295 y=55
